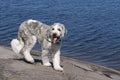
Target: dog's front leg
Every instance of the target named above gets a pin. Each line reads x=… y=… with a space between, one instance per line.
x=56 y=60
x=45 y=58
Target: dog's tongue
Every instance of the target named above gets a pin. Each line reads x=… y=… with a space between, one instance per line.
x=54 y=40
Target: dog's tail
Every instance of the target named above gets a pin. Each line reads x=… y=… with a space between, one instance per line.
x=17 y=45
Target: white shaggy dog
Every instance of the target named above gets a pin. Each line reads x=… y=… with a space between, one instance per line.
x=49 y=37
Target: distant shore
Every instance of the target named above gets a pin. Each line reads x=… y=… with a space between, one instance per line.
x=14 y=67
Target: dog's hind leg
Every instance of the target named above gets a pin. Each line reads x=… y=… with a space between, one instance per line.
x=30 y=42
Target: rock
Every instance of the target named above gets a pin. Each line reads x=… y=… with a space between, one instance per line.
x=14 y=67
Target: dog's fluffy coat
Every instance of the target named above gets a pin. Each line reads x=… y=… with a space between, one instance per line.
x=49 y=37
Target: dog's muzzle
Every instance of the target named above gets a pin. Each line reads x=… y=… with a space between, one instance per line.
x=55 y=38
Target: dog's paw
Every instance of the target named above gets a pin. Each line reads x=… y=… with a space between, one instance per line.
x=28 y=57
x=30 y=61
x=58 y=68
x=47 y=64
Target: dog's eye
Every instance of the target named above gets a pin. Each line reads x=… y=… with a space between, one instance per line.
x=52 y=28
x=59 y=29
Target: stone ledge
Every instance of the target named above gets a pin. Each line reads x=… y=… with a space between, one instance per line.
x=13 y=67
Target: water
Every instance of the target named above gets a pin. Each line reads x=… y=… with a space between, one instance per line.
x=93 y=26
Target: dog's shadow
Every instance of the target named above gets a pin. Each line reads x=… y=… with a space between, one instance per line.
x=37 y=61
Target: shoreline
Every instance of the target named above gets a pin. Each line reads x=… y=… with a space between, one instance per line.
x=13 y=67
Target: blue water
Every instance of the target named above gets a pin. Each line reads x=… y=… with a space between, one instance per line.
x=93 y=26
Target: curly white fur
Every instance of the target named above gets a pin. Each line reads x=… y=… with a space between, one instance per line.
x=50 y=38
x=16 y=45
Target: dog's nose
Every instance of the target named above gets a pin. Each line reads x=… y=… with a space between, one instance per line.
x=54 y=34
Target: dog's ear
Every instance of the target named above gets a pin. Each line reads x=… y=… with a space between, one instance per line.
x=48 y=33
x=48 y=36
x=64 y=30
